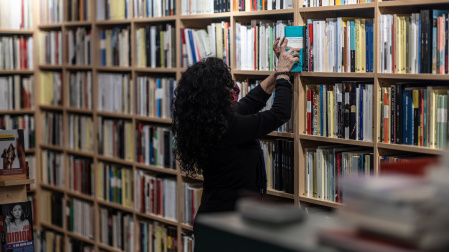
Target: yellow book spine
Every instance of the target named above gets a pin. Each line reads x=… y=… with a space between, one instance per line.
x=100 y=182
x=358 y=49
x=337 y=2
x=397 y=61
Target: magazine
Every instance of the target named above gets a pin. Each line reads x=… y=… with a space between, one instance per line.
x=16 y=227
x=12 y=153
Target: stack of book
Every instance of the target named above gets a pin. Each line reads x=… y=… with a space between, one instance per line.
x=192 y=201
x=16 y=14
x=154 y=146
x=53 y=207
x=17 y=53
x=78 y=10
x=50 y=47
x=342 y=45
x=114 y=93
x=81 y=135
x=156 y=46
x=51 y=241
x=81 y=171
x=344 y=110
x=254 y=43
x=155 y=8
x=154 y=96
x=24 y=122
x=113 y=10
x=317 y=3
x=79 y=44
x=81 y=218
x=194 y=7
x=115 y=47
x=53 y=129
x=251 y=5
x=51 y=88
x=115 y=138
x=115 y=184
x=155 y=236
x=51 y=11
x=414 y=43
x=17 y=92
x=53 y=171
x=200 y=44
x=156 y=195
x=80 y=90
x=325 y=166
x=117 y=229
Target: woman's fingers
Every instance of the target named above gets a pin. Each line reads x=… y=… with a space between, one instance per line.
x=284 y=44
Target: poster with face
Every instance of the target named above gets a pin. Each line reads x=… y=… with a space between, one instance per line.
x=12 y=152
x=16 y=227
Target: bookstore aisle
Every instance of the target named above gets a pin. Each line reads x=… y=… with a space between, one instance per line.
x=90 y=82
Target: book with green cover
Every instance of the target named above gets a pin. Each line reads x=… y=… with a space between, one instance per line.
x=295 y=37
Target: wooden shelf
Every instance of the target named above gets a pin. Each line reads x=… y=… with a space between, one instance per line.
x=77 y=23
x=155 y=70
x=115 y=160
x=17 y=182
x=325 y=203
x=281 y=134
x=115 y=205
x=113 y=22
x=263 y=13
x=138 y=20
x=114 y=115
x=206 y=16
x=78 y=67
x=52 y=188
x=51 y=107
x=108 y=248
x=333 y=8
x=30 y=151
x=80 y=237
x=50 y=67
x=52 y=227
x=11 y=72
x=51 y=26
x=114 y=69
x=17 y=112
x=81 y=153
x=414 y=76
x=412 y=148
x=52 y=147
x=154 y=119
x=16 y=32
x=156 y=169
x=336 y=75
x=80 y=195
x=187 y=227
x=401 y=3
x=280 y=194
x=337 y=140
x=80 y=110
x=249 y=72
x=157 y=218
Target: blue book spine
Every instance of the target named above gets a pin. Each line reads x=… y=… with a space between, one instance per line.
x=119 y=196
x=371 y=47
x=152 y=147
x=367 y=45
x=361 y=114
x=362 y=162
x=111 y=188
x=322 y=90
x=159 y=99
x=108 y=14
x=192 y=46
x=103 y=47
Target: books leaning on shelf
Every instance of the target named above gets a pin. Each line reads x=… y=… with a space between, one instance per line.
x=16 y=14
x=53 y=204
x=157 y=237
x=325 y=166
x=50 y=48
x=117 y=229
x=192 y=201
x=115 y=138
x=154 y=146
x=152 y=9
x=414 y=115
x=51 y=241
x=414 y=43
x=53 y=168
x=278 y=158
x=76 y=245
x=115 y=47
x=25 y=122
x=154 y=96
x=113 y=10
x=156 y=194
x=254 y=43
x=79 y=46
x=81 y=218
x=343 y=110
x=80 y=90
x=17 y=92
x=51 y=88
x=115 y=184
x=17 y=231
x=156 y=46
x=194 y=7
x=200 y=44
x=81 y=175
x=17 y=53
x=51 y=11
x=342 y=45
x=188 y=242
x=249 y=5
x=81 y=135
x=114 y=93
x=317 y=3
x=53 y=129
x=78 y=10
x=12 y=151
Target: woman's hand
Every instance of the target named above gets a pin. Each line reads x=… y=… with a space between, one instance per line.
x=276 y=47
x=286 y=59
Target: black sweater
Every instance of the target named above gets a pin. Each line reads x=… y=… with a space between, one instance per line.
x=233 y=166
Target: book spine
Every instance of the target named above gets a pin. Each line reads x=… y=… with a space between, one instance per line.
x=393 y=113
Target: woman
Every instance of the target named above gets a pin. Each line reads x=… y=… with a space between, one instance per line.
x=218 y=139
x=16 y=222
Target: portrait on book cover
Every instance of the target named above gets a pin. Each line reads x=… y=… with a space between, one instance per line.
x=12 y=149
x=16 y=226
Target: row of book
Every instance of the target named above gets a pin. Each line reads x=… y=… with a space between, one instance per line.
x=279 y=164
x=53 y=129
x=50 y=47
x=16 y=14
x=254 y=43
x=188 y=242
x=51 y=11
x=77 y=245
x=115 y=138
x=52 y=205
x=81 y=218
x=154 y=96
x=325 y=166
x=79 y=46
x=414 y=43
x=81 y=135
x=156 y=195
x=338 y=45
x=81 y=171
x=113 y=10
x=80 y=90
x=115 y=184
x=155 y=146
x=78 y=10
x=156 y=46
x=114 y=93
x=344 y=110
x=50 y=241
x=250 y=5
x=17 y=53
x=155 y=8
x=318 y=3
x=215 y=41
x=115 y=47
x=157 y=237
x=51 y=88
x=192 y=201
x=117 y=229
x=414 y=115
x=53 y=168
x=17 y=92
x=25 y=122
x=194 y=7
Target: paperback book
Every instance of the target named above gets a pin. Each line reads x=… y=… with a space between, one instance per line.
x=16 y=227
x=12 y=154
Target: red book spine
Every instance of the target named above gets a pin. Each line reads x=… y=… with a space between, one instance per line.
x=25 y=56
x=154 y=200
x=22 y=25
x=309 y=112
x=338 y=177
x=314 y=113
x=160 y=198
x=386 y=119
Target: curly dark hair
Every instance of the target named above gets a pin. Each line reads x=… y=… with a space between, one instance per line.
x=201 y=112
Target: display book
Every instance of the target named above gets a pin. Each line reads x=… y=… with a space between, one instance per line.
x=12 y=149
x=16 y=227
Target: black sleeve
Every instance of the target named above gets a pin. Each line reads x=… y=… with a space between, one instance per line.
x=253 y=102
x=245 y=128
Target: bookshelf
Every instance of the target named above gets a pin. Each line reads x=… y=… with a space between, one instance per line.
x=299 y=136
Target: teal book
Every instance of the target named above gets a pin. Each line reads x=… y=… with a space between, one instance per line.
x=295 y=37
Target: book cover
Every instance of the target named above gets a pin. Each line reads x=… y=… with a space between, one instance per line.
x=16 y=227
x=295 y=37
x=12 y=154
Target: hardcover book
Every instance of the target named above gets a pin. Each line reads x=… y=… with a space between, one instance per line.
x=16 y=227
x=12 y=150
